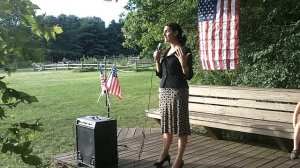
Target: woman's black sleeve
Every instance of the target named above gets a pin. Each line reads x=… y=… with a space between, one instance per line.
x=159 y=74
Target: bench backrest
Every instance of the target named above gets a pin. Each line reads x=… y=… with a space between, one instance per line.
x=254 y=103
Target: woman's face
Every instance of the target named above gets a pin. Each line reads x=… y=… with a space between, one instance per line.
x=169 y=35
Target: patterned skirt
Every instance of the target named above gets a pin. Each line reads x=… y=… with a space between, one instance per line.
x=173 y=105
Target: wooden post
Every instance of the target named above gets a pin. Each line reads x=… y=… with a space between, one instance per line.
x=68 y=65
x=136 y=66
x=284 y=144
x=81 y=65
x=55 y=67
x=214 y=132
x=98 y=65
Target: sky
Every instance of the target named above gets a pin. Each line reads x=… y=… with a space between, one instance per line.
x=107 y=11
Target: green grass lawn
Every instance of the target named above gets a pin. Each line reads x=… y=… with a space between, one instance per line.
x=66 y=95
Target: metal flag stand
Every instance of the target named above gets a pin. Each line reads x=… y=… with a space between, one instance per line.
x=107 y=102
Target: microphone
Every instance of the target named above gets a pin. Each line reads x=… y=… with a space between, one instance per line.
x=158 y=46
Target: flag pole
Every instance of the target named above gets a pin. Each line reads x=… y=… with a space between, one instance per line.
x=107 y=103
x=99 y=69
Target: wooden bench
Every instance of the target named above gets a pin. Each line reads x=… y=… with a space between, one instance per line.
x=264 y=111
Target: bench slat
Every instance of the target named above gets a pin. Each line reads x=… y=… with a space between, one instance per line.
x=237 y=124
x=243 y=103
x=274 y=126
x=243 y=129
x=287 y=127
x=277 y=95
x=242 y=112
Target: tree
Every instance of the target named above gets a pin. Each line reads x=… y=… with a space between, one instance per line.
x=19 y=24
x=85 y=37
x=270 y=53
x=115 y=40
x=92 y=36
x=66 y=45
x=144 y=23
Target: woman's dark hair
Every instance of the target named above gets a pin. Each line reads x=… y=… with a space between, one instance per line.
x=180 y=36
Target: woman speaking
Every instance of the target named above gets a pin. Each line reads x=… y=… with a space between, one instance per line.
x=174 y=68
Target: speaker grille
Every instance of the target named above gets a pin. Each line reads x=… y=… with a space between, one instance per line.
x=97 y=144
x=86 y=142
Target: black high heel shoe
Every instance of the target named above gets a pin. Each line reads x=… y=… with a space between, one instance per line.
x=181 y=165
x=159 y=164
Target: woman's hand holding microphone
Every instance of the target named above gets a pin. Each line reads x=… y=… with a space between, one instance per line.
x=157 y=54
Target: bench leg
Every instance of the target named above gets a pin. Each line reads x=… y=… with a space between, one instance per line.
x=214 y=132
x=284 y=144
x=157 y=121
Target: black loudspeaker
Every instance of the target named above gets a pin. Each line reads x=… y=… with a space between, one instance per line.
x=96 y=141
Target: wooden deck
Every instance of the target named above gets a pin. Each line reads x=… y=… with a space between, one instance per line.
x=201 y=151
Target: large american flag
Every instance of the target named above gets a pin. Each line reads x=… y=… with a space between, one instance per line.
x=113 y=84
x=218 y=26
x=103 y=81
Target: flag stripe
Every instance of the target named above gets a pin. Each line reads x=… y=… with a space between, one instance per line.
x=224 y=56
x=206 y=43
x=221 y=7
x=102 y=81
x=217 y=40
x=213 y=46
x=236 y=27
x=201 y=51
x=228 y=34
x=200 y=44
x=210 y=46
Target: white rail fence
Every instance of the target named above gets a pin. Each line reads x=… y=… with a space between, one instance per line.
x=135 y=65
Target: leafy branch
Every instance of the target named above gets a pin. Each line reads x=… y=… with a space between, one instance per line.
x=19 y=24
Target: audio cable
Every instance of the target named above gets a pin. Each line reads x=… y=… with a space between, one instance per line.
x=148 y=109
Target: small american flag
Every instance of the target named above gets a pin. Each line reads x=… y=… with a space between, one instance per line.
x=103 y=81
x=218 y=26
x=113 y=84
